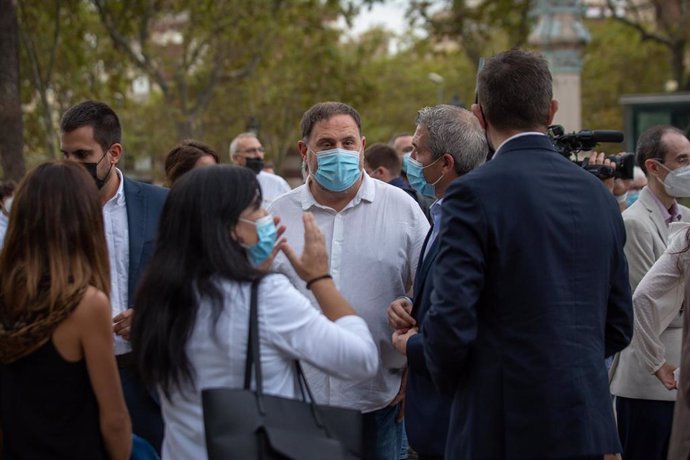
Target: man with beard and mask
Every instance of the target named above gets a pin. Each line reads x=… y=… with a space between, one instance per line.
x=374 y=233
x=91 y=134
x=641 y=373
x=246 y=150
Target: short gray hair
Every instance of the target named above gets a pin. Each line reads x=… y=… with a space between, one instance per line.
x=234 y=145
x=455 y=131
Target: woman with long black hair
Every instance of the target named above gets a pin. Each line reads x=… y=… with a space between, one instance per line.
x=190 y=330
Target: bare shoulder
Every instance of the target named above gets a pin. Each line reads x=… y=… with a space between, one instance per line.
x=93 y=306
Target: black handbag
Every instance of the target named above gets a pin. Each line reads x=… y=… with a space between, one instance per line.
x=244 y=424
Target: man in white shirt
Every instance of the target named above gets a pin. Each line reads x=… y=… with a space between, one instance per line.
x=91 y=134
x=644 y=406
x=374 y=233
x=246 y=150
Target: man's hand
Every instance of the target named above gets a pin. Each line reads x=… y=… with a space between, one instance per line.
x=399 y=314
x=599 y=158
x=665 y=375
x=122 y=323
x=400 y=338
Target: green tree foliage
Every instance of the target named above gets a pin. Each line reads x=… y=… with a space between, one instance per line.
x=481 y=28
x=664 y=22
x=10 y=104
x=401 y=84
x=219 y=67
x=65 y=58
x=617 y=63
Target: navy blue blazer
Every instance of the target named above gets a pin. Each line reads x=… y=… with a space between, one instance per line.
x=427 y=411
x=144 y=203
x=531 y=293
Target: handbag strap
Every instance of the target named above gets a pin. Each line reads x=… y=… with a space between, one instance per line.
x=253 y=358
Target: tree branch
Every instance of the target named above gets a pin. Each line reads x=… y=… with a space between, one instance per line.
x=141 y=59
x=644 y=33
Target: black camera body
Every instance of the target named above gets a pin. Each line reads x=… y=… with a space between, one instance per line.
x=569 y=145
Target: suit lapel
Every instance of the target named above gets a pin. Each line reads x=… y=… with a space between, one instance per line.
x=416 y=288
x=652 y=207
x=136 y=222
x=423 y=273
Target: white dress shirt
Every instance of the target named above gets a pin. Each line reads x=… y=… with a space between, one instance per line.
x=117 y=237
x=373 y=246
x=272 y=186
x=289 y=328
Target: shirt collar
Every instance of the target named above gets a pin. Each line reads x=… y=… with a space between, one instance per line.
x=366 y=192
x=119 y=197
x=669 y=215
x=528 y=133
x=435 y=211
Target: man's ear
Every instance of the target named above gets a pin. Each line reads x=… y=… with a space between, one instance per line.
x=553 y=108
x=448 y=162
x=651 y=165
x=477 y=111
x=115 y=152
x=302 y=147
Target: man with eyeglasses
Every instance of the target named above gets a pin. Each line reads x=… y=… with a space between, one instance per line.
x=644 y=404
x=246 y=150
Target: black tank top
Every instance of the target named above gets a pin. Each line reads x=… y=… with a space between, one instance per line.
x=48 y=409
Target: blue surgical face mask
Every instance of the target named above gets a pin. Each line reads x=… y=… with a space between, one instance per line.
x=406 y=162
x=267 y=232
x=338 y=169
x=633 y=195
x=415 y=176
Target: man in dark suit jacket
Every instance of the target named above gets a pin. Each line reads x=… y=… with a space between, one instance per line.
x=448 y=142
x=531 y=286
x=91 y=135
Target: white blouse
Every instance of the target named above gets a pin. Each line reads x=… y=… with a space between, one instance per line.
x=657 y=336
x=659 y=297
x=289 y=328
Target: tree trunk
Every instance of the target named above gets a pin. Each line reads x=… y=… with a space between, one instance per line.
x=11 y=127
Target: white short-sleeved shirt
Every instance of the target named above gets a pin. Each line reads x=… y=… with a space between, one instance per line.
x=373 y=245
x=289 y=328
x=272 y=186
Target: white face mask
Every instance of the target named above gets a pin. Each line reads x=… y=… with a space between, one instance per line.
x=677 y=182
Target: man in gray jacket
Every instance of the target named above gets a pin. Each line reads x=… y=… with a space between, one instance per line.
x=644 y=405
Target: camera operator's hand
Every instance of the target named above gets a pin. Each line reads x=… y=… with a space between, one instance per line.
x=599 y=158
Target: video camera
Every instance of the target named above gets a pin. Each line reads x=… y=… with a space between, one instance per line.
x=570 y=144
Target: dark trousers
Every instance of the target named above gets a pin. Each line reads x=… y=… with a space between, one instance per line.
x=644 y=427
x=145 y=412
x=382 y=434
